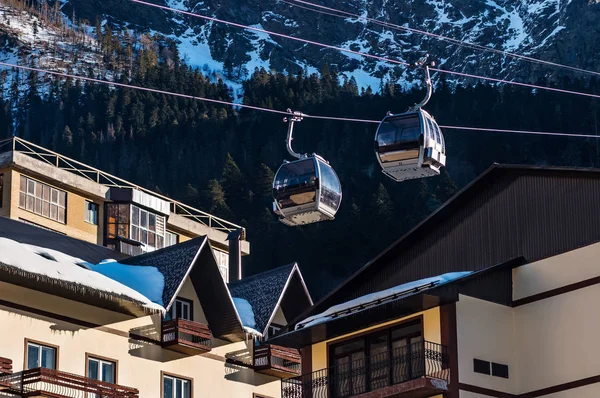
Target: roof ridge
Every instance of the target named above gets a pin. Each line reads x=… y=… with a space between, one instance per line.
x=262 y=274
x=197 y=240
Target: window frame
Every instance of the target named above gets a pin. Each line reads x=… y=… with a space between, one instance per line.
x=101 y=359
x=1 y=189
x=40 y=344
x=87 y=212
x=183 y=301
x=159 y=236
x=222 y=267
x=24 y=192
x=174 y=376
x=168 y=234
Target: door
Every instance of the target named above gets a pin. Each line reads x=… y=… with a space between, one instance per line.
x=348 y=373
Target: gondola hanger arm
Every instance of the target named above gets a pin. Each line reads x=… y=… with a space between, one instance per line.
x=424 y=63
x=294 y=116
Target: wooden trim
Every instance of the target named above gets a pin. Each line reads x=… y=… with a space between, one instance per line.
x=106 y=359
x=255 y=395
x=562 y=387
x=556 y=292
x=56 y=348
x=162 y=384
x=372 y=331
x=306 y=358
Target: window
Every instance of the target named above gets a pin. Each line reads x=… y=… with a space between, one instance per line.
x=42 y=199
x=175 y=387
x=499 y=370
x=182 y=309
x=373 y=361
x=222 y=259
x=480 y=366
x=103 y=370
x=171 y=239
x=1 y=188
x=147 y=228
x=40 y=356
x=117 y=220
x=91 y=212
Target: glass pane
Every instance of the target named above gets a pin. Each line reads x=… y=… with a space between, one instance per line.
x=22 y=200
x=167 y=387
x=331 y=189
x=123 y=230
x=108 y=372
x=178 y=310
x=179 y=388
x=30 y=187
x=62 y=199
x=135 y=215
x=296 y=183
x=135 y=233
x=33 y=356
x=61 y=214
x=186 y=311
x=151 y=237
x=38 y=206
x=356 y=345
x=46 y=193
x=399 y=133
x=46 y=209
x=123 y=216
x=112 y=230
x=54 y=195
x=159 y=242
x=23 y=186
x=93 y=369
x=48 y=358
x=144 y=219
x=30 y=203
x=379 y=361
x=144 y=239
x=186 y=389
x=152 y=222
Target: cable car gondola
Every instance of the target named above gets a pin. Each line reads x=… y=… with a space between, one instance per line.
x=306 y=190
x=411 y=145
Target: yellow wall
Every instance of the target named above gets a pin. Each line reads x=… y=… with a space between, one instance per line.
x=431 y=329
x=75 y=226
x=140 y=363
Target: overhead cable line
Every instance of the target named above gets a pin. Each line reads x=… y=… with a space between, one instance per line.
x=337 y=13
x=262 y=109
x=363 y=54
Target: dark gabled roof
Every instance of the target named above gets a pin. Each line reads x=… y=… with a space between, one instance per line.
x=507 y=212
x=195 y=259
x=32 y=235
x=174 y=262
x=265 y=291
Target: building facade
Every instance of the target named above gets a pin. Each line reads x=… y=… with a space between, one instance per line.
x=492 y=296
x=161 y=324
x=51 y=191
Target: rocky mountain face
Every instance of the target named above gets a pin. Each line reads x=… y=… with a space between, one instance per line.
x=562 y=31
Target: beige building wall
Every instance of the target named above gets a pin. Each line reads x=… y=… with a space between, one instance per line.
x=75 y=225
x=139 y=363
x=486 y=331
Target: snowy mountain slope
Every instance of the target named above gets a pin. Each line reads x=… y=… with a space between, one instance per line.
x=561 y=31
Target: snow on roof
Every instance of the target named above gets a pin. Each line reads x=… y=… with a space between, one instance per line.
x=246 y=314
x=59 y=266
x=377 y=297
x=146 y=280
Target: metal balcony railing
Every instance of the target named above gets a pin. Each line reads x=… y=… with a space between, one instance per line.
x=186 y=336
x=276 y=360
x=53 y=383
x=16 y=144
x=402 y=364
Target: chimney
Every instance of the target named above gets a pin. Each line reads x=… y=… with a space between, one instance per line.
x=235 y=254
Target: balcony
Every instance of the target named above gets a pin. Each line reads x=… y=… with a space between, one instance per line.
x=185 y=336
x=277 y=361
x=417 y=371
x=42 y=382
x=5 y=369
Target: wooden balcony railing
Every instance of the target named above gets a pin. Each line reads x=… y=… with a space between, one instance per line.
x=42 y=382
x=185 y=336
x=5 y=366
x=277 y=361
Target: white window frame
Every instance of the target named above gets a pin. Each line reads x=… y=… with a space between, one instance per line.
x=91 y=216
x=175 y=380
x=272 y=330
x=39 y=202
x=159 y=228
x=40 y=348
x=101 y=369
x=184 y=304
x=171 y=238
x=222 y=259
